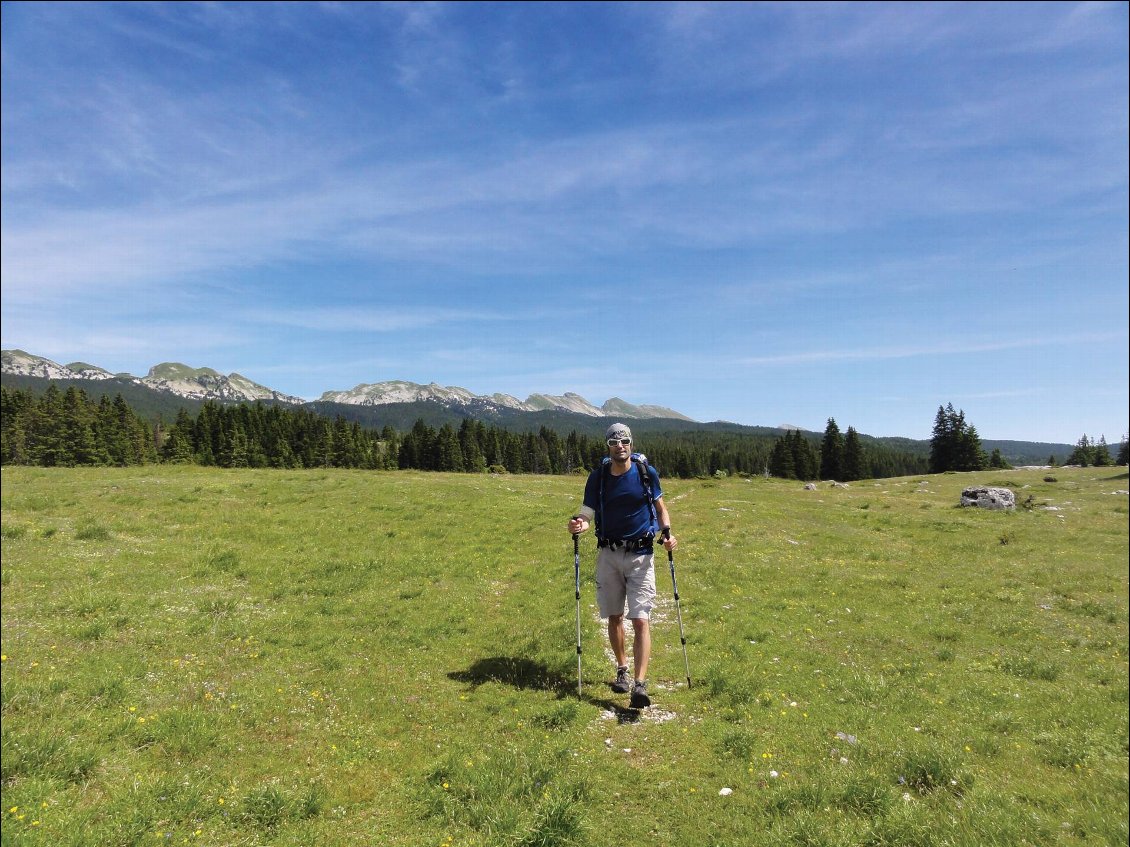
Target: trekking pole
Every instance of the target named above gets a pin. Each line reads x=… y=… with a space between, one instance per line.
x=577 y=581
x=678 y=610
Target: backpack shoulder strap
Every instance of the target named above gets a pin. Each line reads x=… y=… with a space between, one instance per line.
x=603 y=471
x=640 y=461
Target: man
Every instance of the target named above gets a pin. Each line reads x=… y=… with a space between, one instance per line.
x=629 y=513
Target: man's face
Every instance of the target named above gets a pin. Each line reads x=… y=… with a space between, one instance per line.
x=619 y=448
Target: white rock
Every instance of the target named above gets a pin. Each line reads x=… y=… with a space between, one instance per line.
x=988 y=497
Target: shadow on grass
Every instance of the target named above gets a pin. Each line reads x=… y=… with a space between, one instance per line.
x=523 y=673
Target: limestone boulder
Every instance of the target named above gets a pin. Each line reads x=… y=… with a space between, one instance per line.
x=989 y=497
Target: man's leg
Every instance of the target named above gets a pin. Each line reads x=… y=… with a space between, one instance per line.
x=616 y=638
x=641 y=645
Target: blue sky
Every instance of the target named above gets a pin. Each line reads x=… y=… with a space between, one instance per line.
x=760 y=213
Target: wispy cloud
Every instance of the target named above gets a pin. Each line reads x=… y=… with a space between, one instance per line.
x=946 y=348
x=371 y=320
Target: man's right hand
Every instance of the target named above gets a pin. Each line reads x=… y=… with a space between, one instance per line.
x=578 y=525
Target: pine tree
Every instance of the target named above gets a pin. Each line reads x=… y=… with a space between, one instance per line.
x=781 y=464
x=1101 y=456
x=970 y=456
x=806 y=464
x=1123 y=452
x=79 y=444
x=343 y=446
x=574 y=458
x=831 y=452
x=448 y=455
x=178 y=448
x=955 y=444
x=1083 y=454
x=854 y=463
x=44 y=430
x=942 y=446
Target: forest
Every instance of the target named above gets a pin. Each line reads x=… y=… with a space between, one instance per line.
x=67 y=428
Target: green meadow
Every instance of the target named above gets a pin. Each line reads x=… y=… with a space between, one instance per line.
x=210 y=657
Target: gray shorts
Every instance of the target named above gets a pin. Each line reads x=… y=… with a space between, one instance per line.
x=625 y=579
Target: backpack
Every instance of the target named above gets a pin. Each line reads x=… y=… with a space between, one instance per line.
x=639 y=460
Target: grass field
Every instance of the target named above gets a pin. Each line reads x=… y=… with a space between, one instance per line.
x=206 y=657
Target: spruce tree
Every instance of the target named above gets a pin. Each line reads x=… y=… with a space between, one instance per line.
x=970 y=456
x=942 y=446
x=955 y=444
x=781 y=464
x=78 y=443
x=1083 y=454
x=854 y=462
x=806 y=464
x=514 y=454
x=45 y=431
x=448 y=455
x=831 y=452
x=1101 y=455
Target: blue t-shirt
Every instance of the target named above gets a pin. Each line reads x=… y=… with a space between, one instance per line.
x=626 y=513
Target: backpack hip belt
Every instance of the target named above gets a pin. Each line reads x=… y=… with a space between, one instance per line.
x=645 y=542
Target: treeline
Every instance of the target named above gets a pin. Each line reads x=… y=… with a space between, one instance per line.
x=1089 y=452
x=955 y=444
x=838 y=457
x=65 y=429
x=68 y=429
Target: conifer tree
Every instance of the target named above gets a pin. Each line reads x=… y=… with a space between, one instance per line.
x=574 y=457
x=1101 y=455
x=448 y=454
x=806 y=464
x=853 y=462
x=955 y=444
x=514 y=454
x=942 y=441
x=1083 y=454
x=45 y=439
x=781 y=462
x=970 y=456
x=831 y=452
x=79 y=444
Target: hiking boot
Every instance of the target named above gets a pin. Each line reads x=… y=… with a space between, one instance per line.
x=640 y=700
x=623 y=683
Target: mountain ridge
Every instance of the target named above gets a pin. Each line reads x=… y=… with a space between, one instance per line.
x=208 y=384
x=498 y=409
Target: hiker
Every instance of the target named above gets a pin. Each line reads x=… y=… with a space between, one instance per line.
x=629 y=513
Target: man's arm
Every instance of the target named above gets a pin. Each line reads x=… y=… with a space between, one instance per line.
x=665 y=521
x=582 y=520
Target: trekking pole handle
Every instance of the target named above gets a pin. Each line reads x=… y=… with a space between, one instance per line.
x=576 y=536
x=666 y=537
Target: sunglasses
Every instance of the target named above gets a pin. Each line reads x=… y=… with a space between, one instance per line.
x=612 y=442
